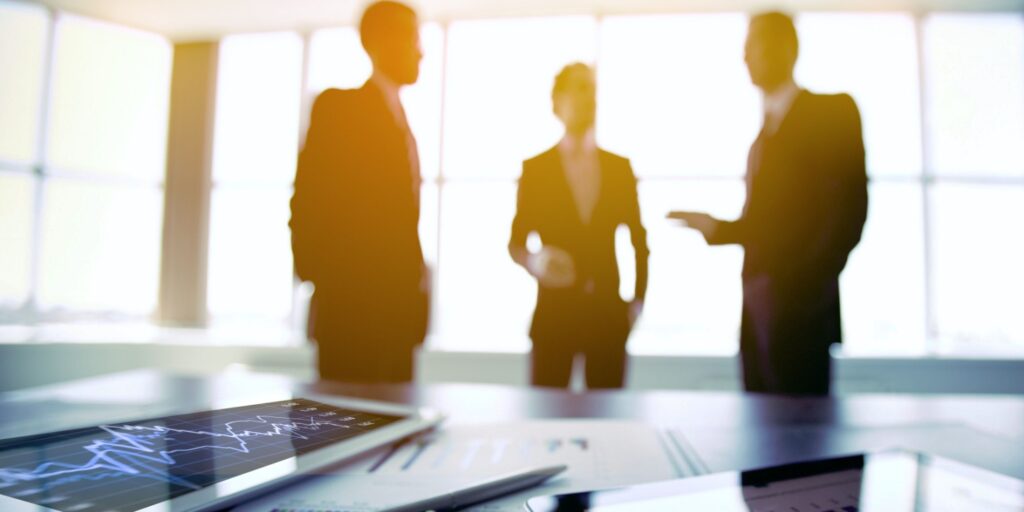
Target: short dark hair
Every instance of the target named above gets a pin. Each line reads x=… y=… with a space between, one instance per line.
x=779 y=27
x=563 y=76
x=379 y=18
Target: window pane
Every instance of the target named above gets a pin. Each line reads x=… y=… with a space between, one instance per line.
x=694 y=295
x=674 y=95
x=485 y=301
x=258 y=95
x=879 y=71
x=100 y=247
x=883 y=284
x=429 y=204
x=15 y=237
x=250 y=253
x=422 y=101
x=978 y=250
x=23 y=29
x=498 y=90
x=337 y=59
x=974 y=77
x=108 y=111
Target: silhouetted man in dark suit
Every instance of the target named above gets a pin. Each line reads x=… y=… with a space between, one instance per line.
x=805 y=210
x=575 y=196
x=356 y=209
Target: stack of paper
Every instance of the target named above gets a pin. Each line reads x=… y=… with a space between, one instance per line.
x=599 y=453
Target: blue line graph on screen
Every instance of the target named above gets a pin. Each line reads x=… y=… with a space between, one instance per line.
x=141 y=450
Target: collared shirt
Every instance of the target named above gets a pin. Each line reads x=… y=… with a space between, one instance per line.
x=777 y=104
x=582 y=172
x=394 y=102
x=391 y=97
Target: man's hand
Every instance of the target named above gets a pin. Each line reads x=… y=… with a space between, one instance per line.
x=635 y=309
x=552 y=267
x=706 y=224
x=426 y=280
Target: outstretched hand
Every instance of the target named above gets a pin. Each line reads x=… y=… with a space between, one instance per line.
x=706 y=224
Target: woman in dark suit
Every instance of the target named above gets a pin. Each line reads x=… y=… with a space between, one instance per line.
x=575 y=196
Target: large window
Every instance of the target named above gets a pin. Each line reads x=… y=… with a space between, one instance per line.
x=974 y=69
x=497 y=113
x=23 y=47
x=255 y=148
x=83 y=117
x=942 y=105
x=83 y=129
x=685 y=119
x=881 y=73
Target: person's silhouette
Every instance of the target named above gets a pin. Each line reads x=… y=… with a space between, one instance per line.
x=805 y=210
x=575 y=196
x=356 y=209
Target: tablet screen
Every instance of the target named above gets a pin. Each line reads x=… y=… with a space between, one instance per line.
x=132 y=465
x=880 y=481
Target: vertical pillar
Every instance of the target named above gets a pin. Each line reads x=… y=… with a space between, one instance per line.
x=187 y=191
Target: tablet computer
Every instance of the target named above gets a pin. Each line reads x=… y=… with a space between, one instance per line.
x=891 y=480
x=198 y=461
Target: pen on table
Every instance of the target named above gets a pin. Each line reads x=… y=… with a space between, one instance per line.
x=486 y=490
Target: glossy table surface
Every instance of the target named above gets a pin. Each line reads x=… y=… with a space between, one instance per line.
x=726 y=430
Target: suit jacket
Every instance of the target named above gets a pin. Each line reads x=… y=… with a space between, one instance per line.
x=546 y=205
x=355 y=214
x=805 y=210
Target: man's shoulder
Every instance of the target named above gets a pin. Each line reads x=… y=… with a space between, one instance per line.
x=334 y=97
x=833 y=104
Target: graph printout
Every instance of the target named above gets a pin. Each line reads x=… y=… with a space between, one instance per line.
x=132 y=465
x=599 y=453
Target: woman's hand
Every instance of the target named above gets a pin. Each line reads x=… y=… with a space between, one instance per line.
x=553 y=267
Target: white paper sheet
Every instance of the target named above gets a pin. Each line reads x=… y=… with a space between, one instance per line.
x=599 y=453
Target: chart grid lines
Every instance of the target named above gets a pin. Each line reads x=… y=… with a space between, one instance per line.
x=131 y=465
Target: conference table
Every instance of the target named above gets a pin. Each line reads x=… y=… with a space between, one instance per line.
x=725 y=430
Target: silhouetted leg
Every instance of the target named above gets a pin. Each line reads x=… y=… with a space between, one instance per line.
x=757 y=334
x=337 y=362
x=750 y=358
x=398 y=365
x=605 y=349
x=364 y=361
x=803 y=363
x=606 y=365
x=551 y=363
x=784 y=339
x=799 y=348
x=361 y=343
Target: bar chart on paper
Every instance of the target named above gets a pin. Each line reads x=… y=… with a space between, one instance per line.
x=485 y=453
x=459 y=455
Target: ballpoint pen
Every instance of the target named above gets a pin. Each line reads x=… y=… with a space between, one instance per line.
x=486 y=490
